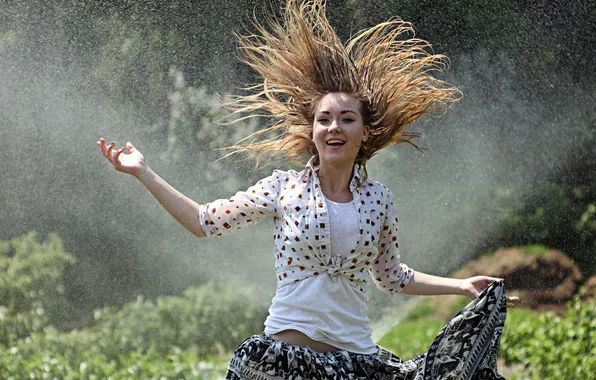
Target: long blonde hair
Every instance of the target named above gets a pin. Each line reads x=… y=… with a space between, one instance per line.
x=301 y=59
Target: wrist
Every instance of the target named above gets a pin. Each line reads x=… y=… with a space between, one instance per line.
x=461 y=288
x=144 y=173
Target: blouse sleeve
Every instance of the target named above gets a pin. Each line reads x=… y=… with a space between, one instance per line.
x=387 y=272
x=244 y=208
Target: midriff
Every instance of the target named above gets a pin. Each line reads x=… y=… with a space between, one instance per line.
x=298 y=338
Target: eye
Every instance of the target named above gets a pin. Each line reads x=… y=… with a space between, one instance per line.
x=323 y=120
x=348 y=120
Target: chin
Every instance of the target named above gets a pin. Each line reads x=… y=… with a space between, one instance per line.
x=337 y=160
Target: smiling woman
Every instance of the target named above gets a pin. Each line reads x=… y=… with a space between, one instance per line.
x=335 y=229
x=339 y=130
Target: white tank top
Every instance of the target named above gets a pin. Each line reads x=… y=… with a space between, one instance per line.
x=326 y=307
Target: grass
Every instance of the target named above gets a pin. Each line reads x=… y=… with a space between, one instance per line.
x=419 y=328
x=412 y=338
x=539 y=250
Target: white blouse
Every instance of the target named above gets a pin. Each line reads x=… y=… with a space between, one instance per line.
x=302 y=235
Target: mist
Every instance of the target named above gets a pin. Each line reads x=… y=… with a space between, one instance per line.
x=503 y=134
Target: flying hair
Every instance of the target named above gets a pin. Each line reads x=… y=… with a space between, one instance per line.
x=300 y=59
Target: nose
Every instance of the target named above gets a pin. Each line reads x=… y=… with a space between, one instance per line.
x=334 y=126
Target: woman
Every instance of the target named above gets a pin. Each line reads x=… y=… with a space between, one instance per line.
x=338 y=105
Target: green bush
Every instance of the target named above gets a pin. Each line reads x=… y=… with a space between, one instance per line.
x=171 y=337
x=553 y=215
x=555 y=347
x=79 y=355
x=186 y=337
x=31 y=288
x=587 y=225
x=210 y=319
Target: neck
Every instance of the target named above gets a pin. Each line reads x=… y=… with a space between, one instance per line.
x=335 y=179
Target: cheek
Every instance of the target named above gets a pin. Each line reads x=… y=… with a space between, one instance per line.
x=357 y=138
x=318 y=133
x=356 y=143
x=317 y=137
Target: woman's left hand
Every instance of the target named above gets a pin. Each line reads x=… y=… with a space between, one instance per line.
x=472 y=287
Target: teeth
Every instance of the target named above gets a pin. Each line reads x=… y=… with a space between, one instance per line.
x=335 y=142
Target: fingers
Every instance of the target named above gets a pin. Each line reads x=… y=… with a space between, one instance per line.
x=105 y=149
x=131 y=163
x=108 y=151
x=118 y=153
x=510 y=301
x=484 y=281
x=102 y=145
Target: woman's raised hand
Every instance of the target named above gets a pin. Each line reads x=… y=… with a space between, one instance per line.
x=132 y=162
x=182 y=208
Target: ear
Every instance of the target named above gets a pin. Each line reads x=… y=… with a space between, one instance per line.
x=365 y=133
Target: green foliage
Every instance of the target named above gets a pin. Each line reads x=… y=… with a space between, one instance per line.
x=31 y=288
x=134 y=62
x=538 y=250
x=173 y=337
x=546 y=345
x=210 y=319
x=553 y=215
x=195 y=132
x=587 y=225
x=81 y=355
x=554 y=347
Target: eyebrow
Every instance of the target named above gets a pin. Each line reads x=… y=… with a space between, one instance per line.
x=342 y=112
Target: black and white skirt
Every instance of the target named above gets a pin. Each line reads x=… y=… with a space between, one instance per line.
x=466 y=348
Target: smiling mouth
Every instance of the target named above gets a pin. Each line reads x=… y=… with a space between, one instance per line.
x=335 y=143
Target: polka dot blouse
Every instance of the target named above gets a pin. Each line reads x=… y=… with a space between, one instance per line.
x=295 y=202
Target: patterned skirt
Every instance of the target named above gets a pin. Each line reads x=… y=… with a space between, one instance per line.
x=466 y=348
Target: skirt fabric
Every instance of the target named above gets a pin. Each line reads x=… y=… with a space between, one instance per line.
x=466 y=348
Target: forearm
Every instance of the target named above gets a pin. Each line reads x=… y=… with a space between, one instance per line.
x=182 y=208
x=429 y=285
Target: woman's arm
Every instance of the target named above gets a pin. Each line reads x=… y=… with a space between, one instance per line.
x=182 y=208
x=429 y=285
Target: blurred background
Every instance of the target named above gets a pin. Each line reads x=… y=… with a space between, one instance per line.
x=513 y=163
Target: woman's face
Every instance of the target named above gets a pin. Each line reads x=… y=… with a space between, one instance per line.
x=338 y=129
